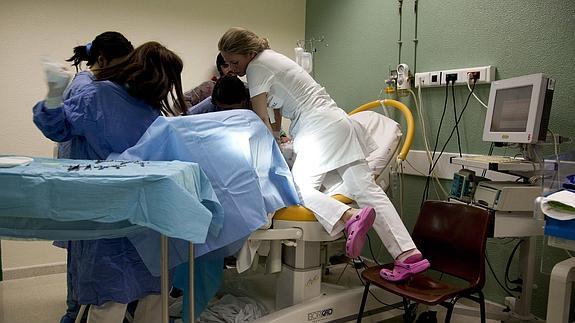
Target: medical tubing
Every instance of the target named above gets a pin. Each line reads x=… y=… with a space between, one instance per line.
x=406 y=114
x=399 y=41
x=415 y=40
x=401 y=190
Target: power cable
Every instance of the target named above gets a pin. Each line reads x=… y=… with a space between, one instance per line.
x=495 y=276
x=426 y=188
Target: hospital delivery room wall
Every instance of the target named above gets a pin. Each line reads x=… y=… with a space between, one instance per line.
x=517 y=37
x=191 y=28
x=30 y=29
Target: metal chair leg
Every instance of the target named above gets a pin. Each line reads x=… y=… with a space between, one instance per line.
x=450 y=306
x=80 y=314
x=363 y=301
x=481 y=302
x=409 y=311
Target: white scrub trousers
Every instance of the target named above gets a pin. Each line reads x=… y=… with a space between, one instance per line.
x=149 y=310
x=358 y=182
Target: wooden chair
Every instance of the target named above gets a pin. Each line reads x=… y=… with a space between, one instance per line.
x=452 y=237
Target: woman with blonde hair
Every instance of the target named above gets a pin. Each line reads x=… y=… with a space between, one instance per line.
x=325 y=141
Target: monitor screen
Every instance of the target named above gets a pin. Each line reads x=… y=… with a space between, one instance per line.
x=518 y=109
x=511 y=110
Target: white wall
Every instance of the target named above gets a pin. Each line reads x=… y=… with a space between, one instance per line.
x=191 y=28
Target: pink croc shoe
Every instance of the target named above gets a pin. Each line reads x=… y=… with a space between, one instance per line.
x=402 y=270
x=356 y=229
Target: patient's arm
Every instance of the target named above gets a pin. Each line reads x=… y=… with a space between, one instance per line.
x=199 y=93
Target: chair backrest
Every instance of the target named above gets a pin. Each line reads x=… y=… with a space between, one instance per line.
x=452 y=236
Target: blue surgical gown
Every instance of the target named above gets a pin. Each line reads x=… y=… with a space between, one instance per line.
x=105 y=119
x=74 y=147
x=249 y=176
x=240 y=157
x=81 y=79
x=206 y=106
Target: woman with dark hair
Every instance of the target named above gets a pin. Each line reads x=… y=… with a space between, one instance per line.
x=110 y=115
x=222 y=66
x=229 y=93
x=106 y=49
x=198 y=94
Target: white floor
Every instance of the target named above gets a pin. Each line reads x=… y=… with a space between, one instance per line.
x=34 y=286
x=21 y=259
x=33 y=300
x=41 y=299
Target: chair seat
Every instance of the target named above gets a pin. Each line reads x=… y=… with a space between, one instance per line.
x=421 y=288
x=301 y=213
x=294 y=213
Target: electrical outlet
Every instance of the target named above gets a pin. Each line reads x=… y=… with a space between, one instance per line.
x=484 y=75
x=421 y=79
x=434 y=78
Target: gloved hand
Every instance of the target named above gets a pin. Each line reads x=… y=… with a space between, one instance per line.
x=57 y=78
x=276 y=135
x=280 y=137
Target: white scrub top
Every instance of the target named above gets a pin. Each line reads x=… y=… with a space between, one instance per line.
x=324 y=137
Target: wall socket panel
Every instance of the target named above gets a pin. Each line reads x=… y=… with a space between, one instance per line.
x=438 y=78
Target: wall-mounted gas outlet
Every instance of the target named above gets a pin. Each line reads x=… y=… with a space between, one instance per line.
x=483 y=74
x=403 y=77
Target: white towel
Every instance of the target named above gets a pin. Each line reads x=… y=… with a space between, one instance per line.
x=559 y=205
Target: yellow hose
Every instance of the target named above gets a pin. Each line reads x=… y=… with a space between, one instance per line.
x=406 y=114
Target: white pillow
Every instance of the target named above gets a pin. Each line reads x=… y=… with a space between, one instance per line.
x=385 y=132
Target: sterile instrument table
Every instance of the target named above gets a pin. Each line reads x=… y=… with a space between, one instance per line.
x=63 y=199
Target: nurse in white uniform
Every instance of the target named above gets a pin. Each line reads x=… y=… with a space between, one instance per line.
x=325 y=141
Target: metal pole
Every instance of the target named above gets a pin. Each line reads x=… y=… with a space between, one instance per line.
x=527 y=268
x=164 y=278
x=191 y=283
x=1 y=270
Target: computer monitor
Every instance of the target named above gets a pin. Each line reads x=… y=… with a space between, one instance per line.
x=518 y=109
